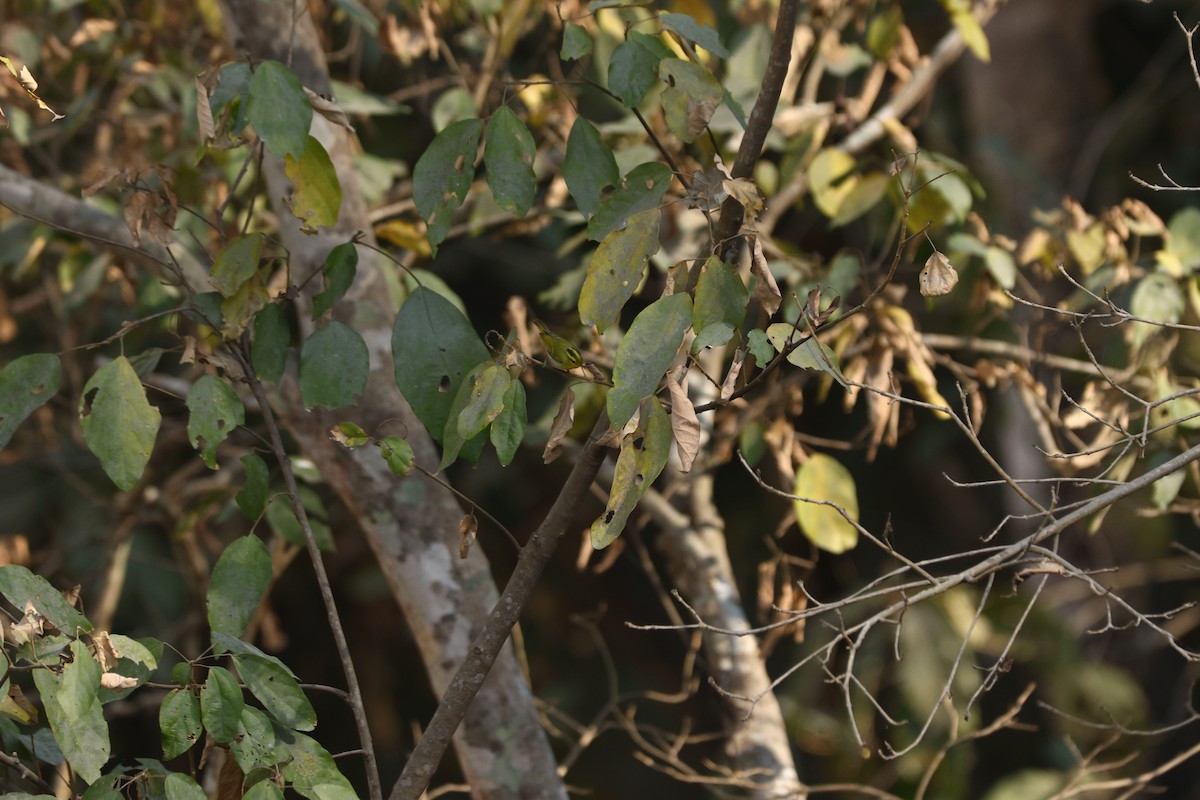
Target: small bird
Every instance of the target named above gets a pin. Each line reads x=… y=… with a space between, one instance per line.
x=565 y=354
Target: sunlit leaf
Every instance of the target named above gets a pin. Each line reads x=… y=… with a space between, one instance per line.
x=434 y=347
x=279 y=109
x=119 y=424
x=317 y=196
x=972 y=33
x=640 y=190
x=644 y=453
x=442 y=176
x=333 y=366
x=866 y=191
x=214 y=410
x=397 y=454
x=340 y=267
x=25 y=385
x=1183 y=238
x=694 y=32
x=645 y=352
x=508 y=156
x=1002 y=266
x=588 y=166
x=616 y=269
x=828 y=179
x=508 y=429
x=486 y=401
x=827 y=489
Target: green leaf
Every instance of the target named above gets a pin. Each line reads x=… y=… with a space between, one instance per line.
x=972 y=32
x=240 y=309
x=588 y=166
x=263 y=790
x=74 y=712
x=255 y=743
x=268 y=352
x=828 y=179
x=616 y=269
x=640 y=190
x=442 y=176
x=236 y=263
x=865 y=193
x=313 y=768
x=694 y=32
x=120 y=425
x=1183 y=238
x=691 y=99
x=821 y=481
x=25 y=385
x=508 y=156
x=645 y=353
x=632 y=70
x=340 y=267
x=454 y=443
x=943 y=196
x=333 y=366
x=643 y=456
x=283 y=520
x=239 y=579
x=181 y=787
x=883 y=32
x=278 y=691
x=434 y=347
x=1000 y=264
x=137 y=659
x=508 y=429
x=279 y=110
x=349 y=434
x=252 y=499
x=103 y=789
x=811 y=354
x=486 y=401
x=214 y=411
x=759 y=346
x=397 y=454
x=317 y=193
x=179 y=721
x=221 y=704
x=1156 y=297
x=577 y=42
x=20 y=586
x=721 y=299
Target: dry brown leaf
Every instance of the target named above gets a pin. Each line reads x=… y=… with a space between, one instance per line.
x=745 y=191
x=329 y=109
x=468 y=529
x=938 y=277
x=204 y=117
x=729 y=385
x=766 y=290
x=685 y=426
x=31 y=626
x=563 y=421
x=106 y=654
x=111 y=680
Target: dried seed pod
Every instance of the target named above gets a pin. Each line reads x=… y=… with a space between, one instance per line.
x=938 y=277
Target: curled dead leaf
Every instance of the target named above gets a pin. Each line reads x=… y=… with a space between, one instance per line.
x=111 y=680
x=685 y=426
x=563 y=420
x=468 y=529
x=938 y=277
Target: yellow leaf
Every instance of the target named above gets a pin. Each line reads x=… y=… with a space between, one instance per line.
x=826 y=503
x=643 y=455
x=972 y=34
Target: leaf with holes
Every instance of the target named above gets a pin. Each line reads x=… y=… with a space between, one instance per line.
x=825 y=489
x=434 y=347
x=508 y=156
x=25 y=385
x=333 y=366
x=643 y=456
x=278 y=691
x=119 y=424
x=641 y=189
x=690 y=99
x=214 y=411
x=616 y=269
x=588 y=166
x=645 y=352
x=179 y=722
x=442 y=176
